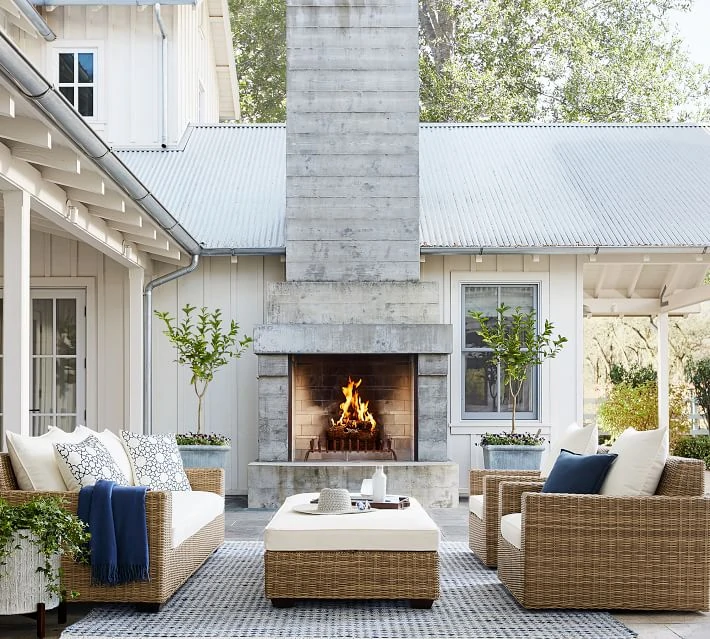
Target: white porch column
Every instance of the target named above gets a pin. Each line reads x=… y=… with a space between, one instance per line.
x=16 y=313
x=134 y=363
x=663 y=406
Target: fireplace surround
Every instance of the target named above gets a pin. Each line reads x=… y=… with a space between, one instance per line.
x=352 y=256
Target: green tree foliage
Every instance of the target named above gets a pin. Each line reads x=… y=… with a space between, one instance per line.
x=637 y=407
x=510 y=60
x=517 y=345
x=635 y=376
x=203 y=347
x=556 y=60
x=698 y=375
x=694 y=447
x=259 y=34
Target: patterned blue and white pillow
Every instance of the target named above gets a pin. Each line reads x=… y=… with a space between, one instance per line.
x=84 y=463
x=156 y=461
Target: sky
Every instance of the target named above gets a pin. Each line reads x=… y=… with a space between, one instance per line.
x=694 y=28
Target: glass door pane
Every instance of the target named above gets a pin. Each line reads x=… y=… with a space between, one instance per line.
x=58 y=381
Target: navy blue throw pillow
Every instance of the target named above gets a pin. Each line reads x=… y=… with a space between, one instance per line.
x=578 y=474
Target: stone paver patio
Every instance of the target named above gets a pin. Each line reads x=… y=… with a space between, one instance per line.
x=248 y=524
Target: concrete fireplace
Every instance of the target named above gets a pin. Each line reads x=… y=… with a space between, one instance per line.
x=352 y=302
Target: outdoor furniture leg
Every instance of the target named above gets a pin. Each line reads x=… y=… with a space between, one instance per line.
x=423 y=604
x=282 y=603
x=148 y=607
x=41 y=627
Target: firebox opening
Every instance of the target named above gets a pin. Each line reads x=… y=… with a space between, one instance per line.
x=352 y=407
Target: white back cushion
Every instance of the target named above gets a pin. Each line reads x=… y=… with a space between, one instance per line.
x=576 y=439
x=33 y=459
x=641 y=458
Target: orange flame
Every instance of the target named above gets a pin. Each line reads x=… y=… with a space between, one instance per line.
x=353 y=409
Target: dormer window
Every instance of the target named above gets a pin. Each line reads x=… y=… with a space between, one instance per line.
x=77 y=80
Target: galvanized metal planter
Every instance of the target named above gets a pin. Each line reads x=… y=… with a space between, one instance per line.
x=512 y=457
x=201 y=456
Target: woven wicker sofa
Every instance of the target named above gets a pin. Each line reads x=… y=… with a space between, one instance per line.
x=169 y=567
x=598 y=551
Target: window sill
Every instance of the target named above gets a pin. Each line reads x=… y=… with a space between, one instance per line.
x=481 y=427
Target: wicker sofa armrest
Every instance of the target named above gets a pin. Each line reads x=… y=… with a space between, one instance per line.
x=510 y=495
x=207 y=479
x=477 y=477
x=657 y=537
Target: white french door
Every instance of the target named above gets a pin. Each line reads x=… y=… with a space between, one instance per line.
x=58 y=351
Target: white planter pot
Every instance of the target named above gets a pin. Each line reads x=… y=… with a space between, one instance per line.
x=21 y=586
x=512 y=457
x=199 y=456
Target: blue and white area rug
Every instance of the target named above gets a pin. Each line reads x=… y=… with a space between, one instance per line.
x=225 y=600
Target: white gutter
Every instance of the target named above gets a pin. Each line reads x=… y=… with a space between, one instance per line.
x=163 y=75
x=36 y=20
x=20 y=71
x=148 y=339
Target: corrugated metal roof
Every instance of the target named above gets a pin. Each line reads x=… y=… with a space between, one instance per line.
x=513 y=185
x=500 y=186
x=226 y=184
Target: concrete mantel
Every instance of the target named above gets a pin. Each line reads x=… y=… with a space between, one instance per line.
x=274 y=339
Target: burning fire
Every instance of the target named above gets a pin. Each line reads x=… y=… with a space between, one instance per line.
x=354 y=413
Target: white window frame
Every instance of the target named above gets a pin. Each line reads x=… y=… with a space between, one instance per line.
x=99 y=84
x=81 y=295
x=459 y=425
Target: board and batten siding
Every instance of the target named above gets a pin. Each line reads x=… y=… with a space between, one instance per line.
x=129 y=82
x=60 y=263
x=238 y=289
x=562 y=301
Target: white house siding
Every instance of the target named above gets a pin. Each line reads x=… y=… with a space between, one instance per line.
x=194 y=54
x=128 y=40
x=231 y=404
x=562 y=377
x=58 y=262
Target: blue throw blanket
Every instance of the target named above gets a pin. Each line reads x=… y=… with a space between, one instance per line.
x=119 y=534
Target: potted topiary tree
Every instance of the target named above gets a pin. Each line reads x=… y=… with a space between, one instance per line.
x=204 y=347
x=515 y=343
x=33 y=537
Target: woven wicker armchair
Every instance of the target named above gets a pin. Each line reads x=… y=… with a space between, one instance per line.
x=483 y=531
x=169 y=567
x=598 y=551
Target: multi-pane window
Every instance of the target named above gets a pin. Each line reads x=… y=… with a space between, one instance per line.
x=77 y=80
x=483 y=394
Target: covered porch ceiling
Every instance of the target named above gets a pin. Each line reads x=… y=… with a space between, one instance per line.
x=71 y=196
x=645 y=284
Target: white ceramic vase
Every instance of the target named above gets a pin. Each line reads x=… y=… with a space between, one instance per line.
x=379 y=484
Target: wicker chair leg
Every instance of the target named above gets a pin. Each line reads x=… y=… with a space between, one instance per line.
x=149 y=607
x=422 y=604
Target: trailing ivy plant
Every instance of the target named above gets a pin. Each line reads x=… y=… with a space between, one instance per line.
x=516 y=343
x=51 y=528
x=698 y=374
x=203 y=346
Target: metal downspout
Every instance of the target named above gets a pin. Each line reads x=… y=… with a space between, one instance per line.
x=148 y=339
x=35 y=19
x=164 y=75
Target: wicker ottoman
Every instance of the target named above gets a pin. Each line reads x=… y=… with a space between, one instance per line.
x=384 y=554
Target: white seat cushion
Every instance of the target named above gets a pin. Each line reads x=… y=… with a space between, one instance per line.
x=511 y=529
x=475 y=505
x=408 y=529
x=33 y=459
x=575 y=439
x=641 y=458
x=193 y=509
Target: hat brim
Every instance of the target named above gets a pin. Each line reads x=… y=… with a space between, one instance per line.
x=312 y=509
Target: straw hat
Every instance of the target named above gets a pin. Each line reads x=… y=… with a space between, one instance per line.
x=332 y=501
